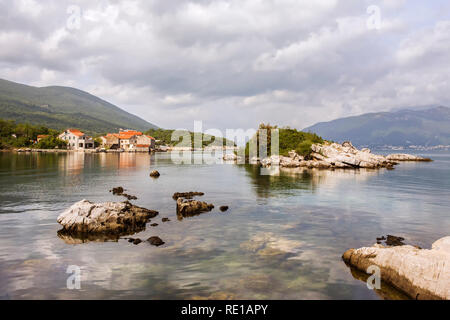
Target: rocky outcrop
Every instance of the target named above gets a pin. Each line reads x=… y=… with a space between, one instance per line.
x=190 y=208
x=120 y=218
x=334 y=155
x=420 y=273
x=406 y=157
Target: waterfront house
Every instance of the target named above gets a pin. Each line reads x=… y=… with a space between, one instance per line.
x=77 y=140
x=142 y=143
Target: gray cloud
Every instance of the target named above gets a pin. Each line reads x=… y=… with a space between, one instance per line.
x=233 y=63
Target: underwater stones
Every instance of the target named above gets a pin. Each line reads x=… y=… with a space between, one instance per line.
x=137 y=241
x=155 y=174
x=154 y=225
x=85 y=217
x=268 y=244
x=165 y=219
x=420 y=273
x=223 y=208
x=155 y=241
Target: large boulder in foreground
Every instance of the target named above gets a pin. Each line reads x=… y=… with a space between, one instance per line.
x=119 y=218
x=420 y=273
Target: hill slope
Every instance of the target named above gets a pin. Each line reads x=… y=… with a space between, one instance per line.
x=428 y=127
x=64 y=107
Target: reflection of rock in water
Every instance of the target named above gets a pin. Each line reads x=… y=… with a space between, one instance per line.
x=79 y=238
x=386 y=291
x=291 y=179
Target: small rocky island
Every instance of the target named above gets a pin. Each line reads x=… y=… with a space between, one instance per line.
x=422 y=274
x=337 y=156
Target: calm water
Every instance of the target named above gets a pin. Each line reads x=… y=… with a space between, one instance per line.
x=282 y=238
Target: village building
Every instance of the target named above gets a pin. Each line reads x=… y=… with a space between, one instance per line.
x=142 y=143
x=128 y=140
x=110 y=141
x=77 y=140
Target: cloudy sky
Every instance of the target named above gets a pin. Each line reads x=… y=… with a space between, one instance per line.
x=234 y=63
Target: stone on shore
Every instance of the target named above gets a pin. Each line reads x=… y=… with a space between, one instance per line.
x=85 y=217
x=422 y=274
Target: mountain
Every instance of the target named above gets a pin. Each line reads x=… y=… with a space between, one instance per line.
x=429 y=127
x=64 y=107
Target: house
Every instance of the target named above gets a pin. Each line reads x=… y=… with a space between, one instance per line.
x=142 y=143
x=128 y=140
x=77 y=140
x=42 y=136
x=110 y=141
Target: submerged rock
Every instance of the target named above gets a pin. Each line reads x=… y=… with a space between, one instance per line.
x=85 y=217
x=420 y=273
x=223 y=208
x=120 y=191
x=155 y=241
x=165 y=219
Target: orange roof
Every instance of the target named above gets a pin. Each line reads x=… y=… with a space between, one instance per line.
x=42 y=136
x=151 y=137
x=76 y=132
x=143 y=146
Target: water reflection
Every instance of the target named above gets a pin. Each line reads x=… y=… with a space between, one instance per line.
x=291 y=180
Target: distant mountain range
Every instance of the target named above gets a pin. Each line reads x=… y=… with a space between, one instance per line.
x=417 y=126
x=64 y=107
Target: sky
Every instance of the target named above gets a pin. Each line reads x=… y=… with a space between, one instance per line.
x=235 y=63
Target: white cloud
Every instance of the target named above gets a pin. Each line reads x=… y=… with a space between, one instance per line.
x=233 y=63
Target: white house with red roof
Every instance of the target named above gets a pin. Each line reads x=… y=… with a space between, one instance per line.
x=77 y=140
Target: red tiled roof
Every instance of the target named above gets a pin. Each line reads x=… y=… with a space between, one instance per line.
x=142 y=146
x=42 y=136
x=76 y=132
x=151 y=137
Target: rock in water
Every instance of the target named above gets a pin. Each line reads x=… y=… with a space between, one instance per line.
x=223 y=208
x=155 y=241
x=85 y=217
x=154 y=174
x=189 y=208
x=420 y=273
x=406 y=157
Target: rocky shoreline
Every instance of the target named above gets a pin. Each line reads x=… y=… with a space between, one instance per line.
x=337 y=156
x=422 y=274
